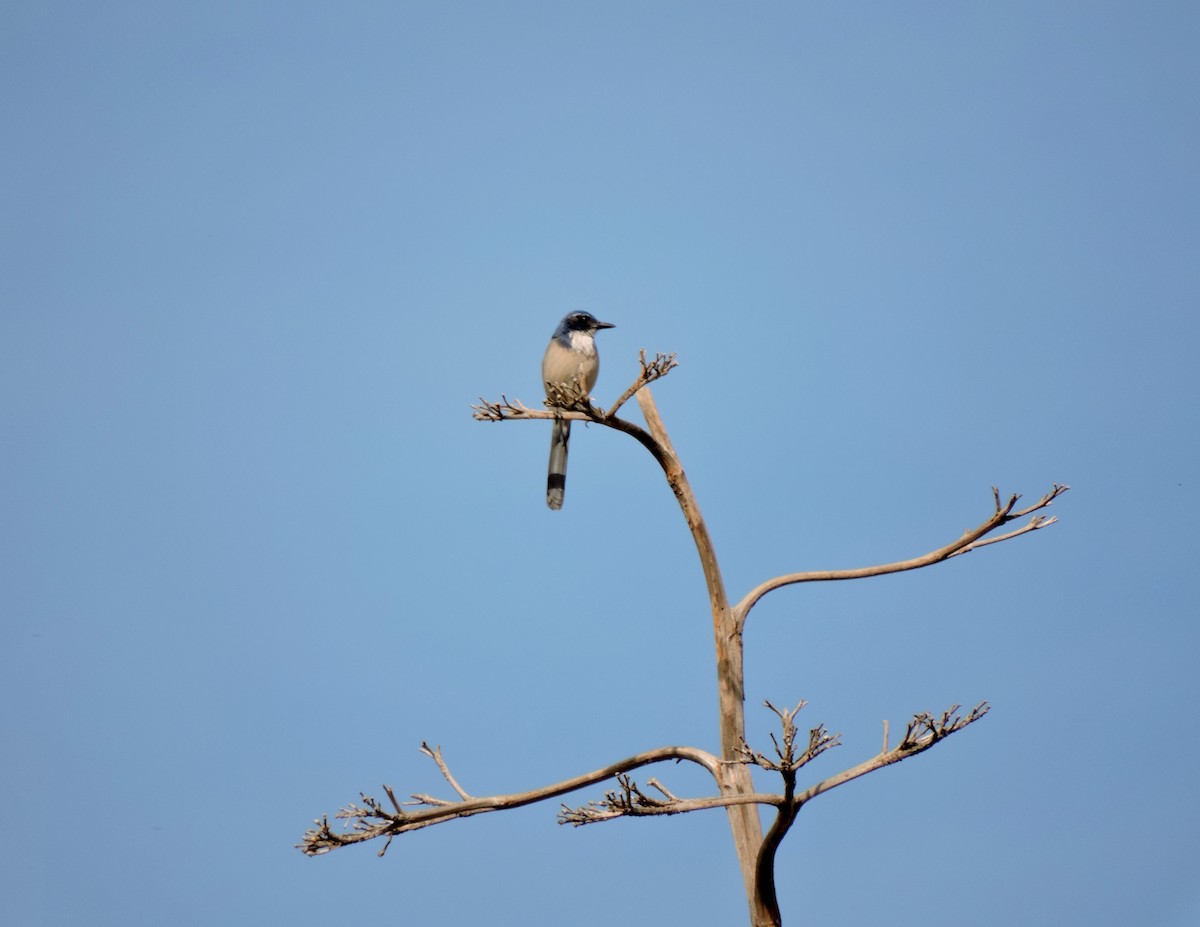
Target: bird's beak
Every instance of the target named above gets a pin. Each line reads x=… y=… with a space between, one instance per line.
x=600 y=325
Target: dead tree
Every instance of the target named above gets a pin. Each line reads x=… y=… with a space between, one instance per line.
x=371 y=819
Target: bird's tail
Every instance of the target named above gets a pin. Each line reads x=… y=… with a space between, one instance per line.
x=556 y=477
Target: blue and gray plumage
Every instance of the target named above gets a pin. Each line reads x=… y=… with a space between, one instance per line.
x=570 y=366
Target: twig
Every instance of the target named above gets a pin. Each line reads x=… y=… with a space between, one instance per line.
x=654 y=783
x=1034 y=524
x=436 y=755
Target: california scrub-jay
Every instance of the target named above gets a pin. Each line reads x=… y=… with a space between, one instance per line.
x=571 y=364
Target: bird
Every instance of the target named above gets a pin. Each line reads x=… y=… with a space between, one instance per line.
x=570 y=365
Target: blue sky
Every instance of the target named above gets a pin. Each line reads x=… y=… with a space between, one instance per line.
x=258 y=259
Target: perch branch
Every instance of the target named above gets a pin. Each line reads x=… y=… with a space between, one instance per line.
x=973 y=539
x=566 y=400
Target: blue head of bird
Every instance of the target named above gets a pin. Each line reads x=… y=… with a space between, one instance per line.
x=583 y=323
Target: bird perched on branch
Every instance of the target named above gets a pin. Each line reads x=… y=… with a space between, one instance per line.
x=569 y=369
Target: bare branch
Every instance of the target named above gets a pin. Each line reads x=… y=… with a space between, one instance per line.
x=922 y=732
x=628 y=800
x=371 y=819
x=1004 y=513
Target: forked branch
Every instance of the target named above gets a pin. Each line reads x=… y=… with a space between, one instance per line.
x=1005 y=512
x=922 y=732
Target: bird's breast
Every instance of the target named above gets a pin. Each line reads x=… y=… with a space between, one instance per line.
x=569 y=365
